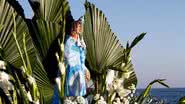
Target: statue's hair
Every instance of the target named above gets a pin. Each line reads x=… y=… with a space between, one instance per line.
x=75 y=24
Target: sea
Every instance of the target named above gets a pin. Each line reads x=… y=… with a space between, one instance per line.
x=168 y=95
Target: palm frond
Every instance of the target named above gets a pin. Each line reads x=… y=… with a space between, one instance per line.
x=43 y=82
x=7 y=43
x=52 y=20
x=50 y=10
x=103 y=46
x=15 y=4
x=43 y=34
x=8 y=47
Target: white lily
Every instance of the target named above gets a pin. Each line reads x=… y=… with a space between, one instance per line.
x=4 y=76
x=132 y=87
x=31 y=79
x=123 y=92
x=62 y=68
x=109 y=79
x=5 y=84
x=80 y=100
x=101 y=98
x=36 y=102
x=101 y=102
x=122 y=65
x=118 y=100
x=29 y=96
x=23 y=69
x=117 y=83
x=58 y=82
x=2 y=65
x=67 y=101
x=96 y=97
x=115 y=102
x=126 y=101
x=126 y=75
x=62 y=47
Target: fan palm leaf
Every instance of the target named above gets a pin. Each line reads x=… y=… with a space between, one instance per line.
x=104 y=51
x=7 y=42
x=103 y=47
x=52 y=20
x=50 y=10
x=43 y=82
x=44 y=33
x=9 y=51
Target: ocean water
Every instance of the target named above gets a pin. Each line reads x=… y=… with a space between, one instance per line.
x=169 y=95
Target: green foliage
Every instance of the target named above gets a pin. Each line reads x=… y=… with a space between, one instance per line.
x=103 y=48
x=40 y=39
x=7 y=43
x=26 y=65
x=128 y=66
x=143 y=96
x=50 y=10
x=136 y=40
x=11 y=55
x=48 y=29
x=45 y=33
x=104 y=51
x=181 y=100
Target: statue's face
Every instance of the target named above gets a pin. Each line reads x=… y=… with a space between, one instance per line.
x=79 y=28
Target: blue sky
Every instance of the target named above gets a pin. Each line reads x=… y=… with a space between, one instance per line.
x=161 y=54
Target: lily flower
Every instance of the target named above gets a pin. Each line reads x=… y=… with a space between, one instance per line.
x=2 y=65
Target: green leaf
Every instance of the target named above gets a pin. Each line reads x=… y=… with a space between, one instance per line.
x=15 y=4
x=50 y=10
x=52 y=20
x=181 y=100
x=43 y=82
x=145 y=93
x=137 y=39
x=103 y=47
x=44 y=33
x=132 y=79
x=1 y=27
x=162 y=83
x=10 y=54
x=7 y=42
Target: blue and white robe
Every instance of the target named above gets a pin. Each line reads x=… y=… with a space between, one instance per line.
x=74 y=58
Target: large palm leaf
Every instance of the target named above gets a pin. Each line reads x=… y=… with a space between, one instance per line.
x=45 y=32
x=45 y=37
x=7 y=42
x=50 y=10
x=52 y=20
x=104 y=50
x=46 y=89
x=103 y=47
x=8 y=45
x=49 y=16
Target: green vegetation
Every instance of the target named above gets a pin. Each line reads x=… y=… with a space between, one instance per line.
x=32 y=51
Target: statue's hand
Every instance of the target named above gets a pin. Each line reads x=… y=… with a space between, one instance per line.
x=87 y=75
